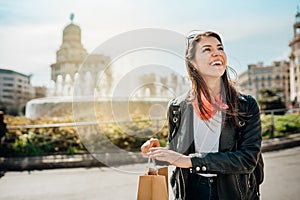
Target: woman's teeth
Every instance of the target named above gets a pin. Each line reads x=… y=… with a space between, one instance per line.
x=217 y=63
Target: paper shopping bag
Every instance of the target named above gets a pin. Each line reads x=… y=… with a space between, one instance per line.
x=152 y=187
x=164 y=172
x=154 y=184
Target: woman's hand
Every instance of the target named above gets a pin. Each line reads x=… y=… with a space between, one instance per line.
x=148 y=144
x=174 y=158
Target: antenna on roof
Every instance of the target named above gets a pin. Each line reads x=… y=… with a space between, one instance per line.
x=72 y=17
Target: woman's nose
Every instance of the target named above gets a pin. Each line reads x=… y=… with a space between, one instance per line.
x=216 y=52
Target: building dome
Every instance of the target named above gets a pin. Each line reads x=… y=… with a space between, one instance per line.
x=72 y=33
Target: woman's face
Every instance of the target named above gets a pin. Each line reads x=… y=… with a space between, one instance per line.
x=210 y=59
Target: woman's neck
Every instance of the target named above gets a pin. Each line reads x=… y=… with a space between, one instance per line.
x=214 y=86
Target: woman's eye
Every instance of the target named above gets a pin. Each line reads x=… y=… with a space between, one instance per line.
x=221 y=48
x=206 y=49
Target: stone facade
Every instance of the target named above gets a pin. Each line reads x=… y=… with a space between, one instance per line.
x=258 y=77
x=15 y=91
x=295 y=63
x=74 y=63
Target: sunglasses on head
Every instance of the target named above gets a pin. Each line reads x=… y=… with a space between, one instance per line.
x=191 y=35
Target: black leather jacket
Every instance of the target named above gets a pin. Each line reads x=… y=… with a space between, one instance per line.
x=239 y=151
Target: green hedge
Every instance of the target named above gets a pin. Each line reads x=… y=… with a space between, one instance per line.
x=39 y=141
x=283 y=125
x=65 y=140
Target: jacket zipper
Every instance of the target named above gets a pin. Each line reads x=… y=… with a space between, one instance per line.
x=238 y=186
x=181 y=174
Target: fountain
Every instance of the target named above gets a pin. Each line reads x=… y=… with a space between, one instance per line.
x=146 y=96
x=118 y=77
x=130 y=76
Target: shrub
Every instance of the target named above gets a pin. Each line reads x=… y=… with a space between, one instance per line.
x=283 y=124
x=65 y=140
x=127 y=136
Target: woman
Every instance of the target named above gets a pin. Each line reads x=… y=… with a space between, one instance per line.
x=217 y=144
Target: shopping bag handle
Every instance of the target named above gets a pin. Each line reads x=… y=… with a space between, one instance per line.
x=149 y=170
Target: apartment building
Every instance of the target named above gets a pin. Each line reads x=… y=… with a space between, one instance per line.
x=15 y=91
x=258 y=76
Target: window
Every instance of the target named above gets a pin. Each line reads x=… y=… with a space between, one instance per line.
x=297 y=18
x=8 y=78
x=8 y=96
x=298 y=31
x=8 y=84
x=5 y=90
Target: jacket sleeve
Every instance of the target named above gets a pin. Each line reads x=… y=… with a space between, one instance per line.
x=171 y=128
x=244 y=158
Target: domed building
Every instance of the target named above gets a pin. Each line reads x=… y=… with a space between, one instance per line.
x=73 y=63
x=88 y=84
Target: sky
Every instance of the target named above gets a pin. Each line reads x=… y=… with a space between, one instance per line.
x=252 y=31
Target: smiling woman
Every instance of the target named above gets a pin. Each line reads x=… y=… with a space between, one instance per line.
x=206 y=64
x=211 y=57
x=216 y=143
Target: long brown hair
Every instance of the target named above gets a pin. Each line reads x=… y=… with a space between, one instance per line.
x=229 y=93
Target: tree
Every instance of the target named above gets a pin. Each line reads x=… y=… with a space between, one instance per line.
x=270 y=99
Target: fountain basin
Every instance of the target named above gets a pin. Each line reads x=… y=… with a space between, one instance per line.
x=120 y=108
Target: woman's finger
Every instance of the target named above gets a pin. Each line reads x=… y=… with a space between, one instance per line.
x=148 y=144
x=156 y=148
x=154 y=142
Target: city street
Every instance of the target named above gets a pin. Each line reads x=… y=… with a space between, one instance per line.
x=281 y=181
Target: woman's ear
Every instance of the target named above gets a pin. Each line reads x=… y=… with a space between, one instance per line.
x=193 y=65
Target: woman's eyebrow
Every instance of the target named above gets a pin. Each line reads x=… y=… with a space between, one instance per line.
x=208 y=45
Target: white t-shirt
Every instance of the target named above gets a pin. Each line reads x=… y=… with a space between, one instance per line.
x=207 y=134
